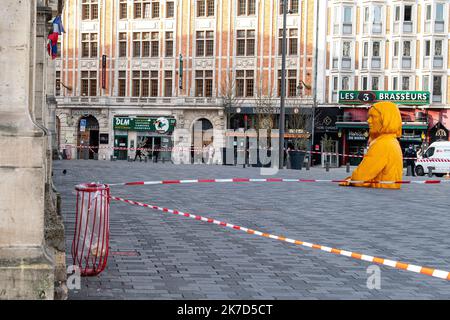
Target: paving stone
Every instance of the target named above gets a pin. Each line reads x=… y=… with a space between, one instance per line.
x=181 y=258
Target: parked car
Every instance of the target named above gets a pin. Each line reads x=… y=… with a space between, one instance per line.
x=437 y=156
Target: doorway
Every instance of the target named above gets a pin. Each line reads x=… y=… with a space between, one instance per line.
x=202 y=134
x=88 y=138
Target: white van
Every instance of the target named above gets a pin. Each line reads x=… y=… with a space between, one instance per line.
x=437 y=156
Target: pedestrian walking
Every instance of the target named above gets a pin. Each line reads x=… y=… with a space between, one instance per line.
x=411 y=155
x=211 y=153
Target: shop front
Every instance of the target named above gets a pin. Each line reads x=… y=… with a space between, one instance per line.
x=356 y=141
x=354 y=132
x=326 y=138
x=151 y=133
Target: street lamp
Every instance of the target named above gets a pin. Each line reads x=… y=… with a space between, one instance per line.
x=283 y=90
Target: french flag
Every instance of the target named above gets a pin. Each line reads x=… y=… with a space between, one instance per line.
x=58 y=29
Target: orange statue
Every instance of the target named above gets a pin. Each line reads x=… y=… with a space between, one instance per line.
x=384 y=159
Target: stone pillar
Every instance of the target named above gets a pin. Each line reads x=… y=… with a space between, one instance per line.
x=26 y=266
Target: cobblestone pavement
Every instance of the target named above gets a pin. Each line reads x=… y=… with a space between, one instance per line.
x=180 y=258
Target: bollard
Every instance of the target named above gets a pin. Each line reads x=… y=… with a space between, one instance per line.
x=145 y=159
x=327 y=166
x=430 y=171
x=347 y=169
x=112 y=158
x=307 y=165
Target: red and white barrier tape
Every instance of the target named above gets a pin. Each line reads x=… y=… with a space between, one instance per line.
x=236 y=180
x=201 y=149
x=391 y=263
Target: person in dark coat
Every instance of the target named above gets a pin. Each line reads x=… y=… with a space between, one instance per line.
x=411 y=153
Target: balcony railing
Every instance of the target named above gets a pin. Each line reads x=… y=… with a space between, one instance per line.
x=438 y=62
x=439 y=26
x=407 y=27
x=346 y=63
x=406 y=62
x=377 y=27
x=175 y=101
x=376 y=62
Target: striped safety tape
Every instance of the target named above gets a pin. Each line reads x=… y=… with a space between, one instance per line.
x=201 y=149
x=238 y=180
x=391 y=263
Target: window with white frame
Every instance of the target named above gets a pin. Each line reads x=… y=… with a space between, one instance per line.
x=376 y=55
x=142 y=9
x=348 y=23
x=405 y=83
x=336 y=19
x=123 y=9
x=291 y=83
x=168 y=78
x=292 y=6
x=439 y=18
x=89 y=10
x=407 y=18
x=89 y=45
x=205 y=43
x=426 y=83
x=335 y=62
x=428 y=16
x=345 y=84
x=438 y=59
x=122 y=44
x=141 y=44
x=245 y=43
x=375 y=83
x=406 y=55
x=58 y=83
x=427 y=49
x=205 y=8
x=365 y=55
x=154 y=83
x=291 y=41
x=394 y=83
x=169 y=44
x=122 y=83
x=377 y=23
x=140 y=83
x=346 y=54
x=245 y=83
x=203 y=83
x=373 y=19
x=335 y=88
x=89 y=83
x=437 y=88
x=170 y=9
x=145 y=83
x=366 y=20
x=155 y=9
x=364 y=83
x=246 y=7
x=154 y=44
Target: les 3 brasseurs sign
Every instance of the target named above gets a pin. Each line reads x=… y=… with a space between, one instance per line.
x=399 y=97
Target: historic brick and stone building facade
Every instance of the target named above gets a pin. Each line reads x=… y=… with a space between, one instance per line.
x=183 y=60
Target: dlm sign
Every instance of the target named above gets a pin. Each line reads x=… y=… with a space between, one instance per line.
x=398 y=97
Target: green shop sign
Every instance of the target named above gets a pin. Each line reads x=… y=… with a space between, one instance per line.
x=399 y=97
x=160 y=125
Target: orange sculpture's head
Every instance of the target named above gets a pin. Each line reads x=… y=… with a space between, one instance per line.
x=384 y=118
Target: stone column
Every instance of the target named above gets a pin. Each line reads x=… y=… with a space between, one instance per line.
x=26 y=268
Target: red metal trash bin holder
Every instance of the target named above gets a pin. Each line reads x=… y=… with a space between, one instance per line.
x=90 y=245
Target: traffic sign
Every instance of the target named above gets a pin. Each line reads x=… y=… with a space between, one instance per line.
x=399 y=97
